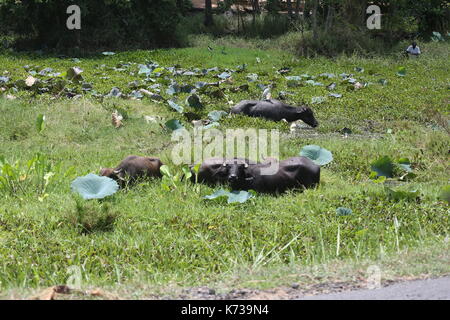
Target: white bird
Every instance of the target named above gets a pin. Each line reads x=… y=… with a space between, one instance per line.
x=267 y=95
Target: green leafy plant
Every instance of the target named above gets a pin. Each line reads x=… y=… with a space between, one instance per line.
x=384 y=167
x=169 y=181
x=34 y=177
x=399 y=194
x=40 y=123
x=92 y=216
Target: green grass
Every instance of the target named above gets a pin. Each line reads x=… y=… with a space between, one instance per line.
x=157 y=237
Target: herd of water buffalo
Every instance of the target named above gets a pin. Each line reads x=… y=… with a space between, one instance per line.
x=238 y=173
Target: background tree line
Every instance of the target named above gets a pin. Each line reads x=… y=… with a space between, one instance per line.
x=327 y=26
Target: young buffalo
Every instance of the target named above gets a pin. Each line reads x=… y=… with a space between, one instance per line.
x=217 y=170
x=275 y=110
x=133 y=168
x=297 y=172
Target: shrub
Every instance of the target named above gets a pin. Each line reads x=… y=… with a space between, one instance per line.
x=341 y=39
x=92 y=216
x=33 y=177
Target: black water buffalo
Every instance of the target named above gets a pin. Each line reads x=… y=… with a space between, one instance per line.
x=275 y=176
x=275 y=110
x=133 y=168
x=217 y=170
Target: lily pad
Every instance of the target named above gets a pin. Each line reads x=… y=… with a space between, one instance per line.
x=252 y=77
x=401 y=72
x=217 y=194
x=175 y=106
x=173 y=89
x=317 y=154
x=341 y=211
x=74 y=74
x=174 y=124
x=398 y=195
x=317 y=100
x=383 y=167
x=239 y=196
x=194 y=101
x=405 y=164
x=331 y=86
x=233 y=196
x=93 y=186
x=4 y=80
x=437 y=36
x=114 y=93
x=224 y=75
x=216 y=115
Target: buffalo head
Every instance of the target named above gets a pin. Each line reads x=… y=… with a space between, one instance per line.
x=307 y=116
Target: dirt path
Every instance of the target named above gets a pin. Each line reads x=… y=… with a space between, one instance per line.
x=428 y=289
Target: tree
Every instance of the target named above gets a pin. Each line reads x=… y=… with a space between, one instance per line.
x=314 y=19
x=208 y=13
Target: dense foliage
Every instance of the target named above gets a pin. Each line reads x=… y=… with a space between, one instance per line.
x=108 y=23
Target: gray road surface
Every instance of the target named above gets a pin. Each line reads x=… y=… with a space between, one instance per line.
x=431 y=289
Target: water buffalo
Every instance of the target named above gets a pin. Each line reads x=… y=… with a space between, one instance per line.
x=133 y=168
x=297 y=172
x=275 y=110
x=217 y=170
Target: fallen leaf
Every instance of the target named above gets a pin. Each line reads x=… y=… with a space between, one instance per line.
x=50 y=293
x=103 y=294
x=30 y=81
x=116 y=119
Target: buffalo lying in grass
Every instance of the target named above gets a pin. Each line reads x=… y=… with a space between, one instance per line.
x=275 y=110
x=275 y=176
x=272 y=176
x=216 y=170
x=133 y=168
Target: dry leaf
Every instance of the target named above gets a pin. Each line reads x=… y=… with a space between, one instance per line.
x=359 y=85
x=116 y=119
x=103 y=294
x=151 y=119
x=10 y=97
x=50 y=293
x=146 y=92
x=30 y=81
